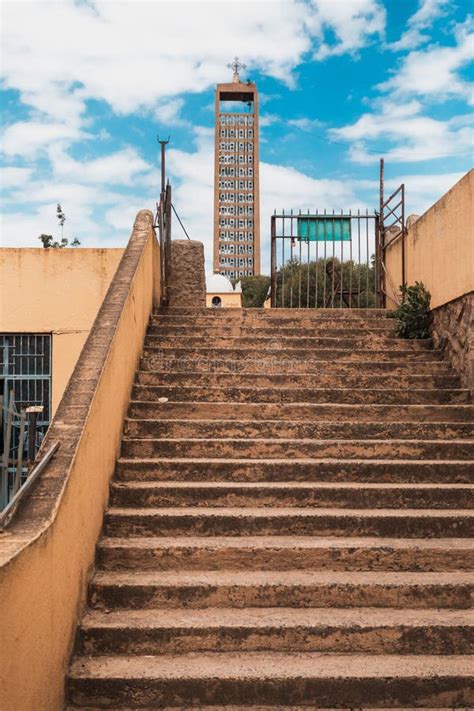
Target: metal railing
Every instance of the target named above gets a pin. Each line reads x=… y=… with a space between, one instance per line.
x=9 y=511
x=325 y=259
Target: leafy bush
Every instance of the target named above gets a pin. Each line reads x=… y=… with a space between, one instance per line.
x=413 y=314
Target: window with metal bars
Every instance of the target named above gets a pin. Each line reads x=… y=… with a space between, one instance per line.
x=25 y=370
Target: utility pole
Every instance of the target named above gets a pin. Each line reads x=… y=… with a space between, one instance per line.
x=163 y=162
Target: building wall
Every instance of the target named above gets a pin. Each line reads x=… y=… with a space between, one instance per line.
x=229 y=299
x=56 y=291
x=440 y=253
x=439 y=248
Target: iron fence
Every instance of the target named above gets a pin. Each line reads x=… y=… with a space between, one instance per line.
x=325 y=260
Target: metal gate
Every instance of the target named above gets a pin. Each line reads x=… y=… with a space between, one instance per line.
x=392 y=228
x=325 y=260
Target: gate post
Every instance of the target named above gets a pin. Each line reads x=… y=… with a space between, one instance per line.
x=273 y=262
x=404 y=278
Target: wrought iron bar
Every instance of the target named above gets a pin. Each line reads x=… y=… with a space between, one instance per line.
x=21 y=445
x=6 y=451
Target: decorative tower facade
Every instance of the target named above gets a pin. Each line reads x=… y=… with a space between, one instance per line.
x=236 y=178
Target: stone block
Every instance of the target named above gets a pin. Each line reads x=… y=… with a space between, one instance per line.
x=187 y=282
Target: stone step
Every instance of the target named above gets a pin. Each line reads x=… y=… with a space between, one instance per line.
x=285 y=553
x=280 y=678
x=293 y=588
x=247 y=707
x=264 y=343
x=460 y=449
x=293 y=314
x=352 y=379
x=302 y=412
x=288 y=521
x=273 y=429
x=267 y=494
x=264 y=328
x=342 y=470
x=157 y=359
x=272 y=354
x=359 y=630
x=283 y=395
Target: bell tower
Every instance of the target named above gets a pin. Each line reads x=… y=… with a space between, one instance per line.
x=236 y=178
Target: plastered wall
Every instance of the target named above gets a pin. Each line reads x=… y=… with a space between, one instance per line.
x=47 y=552
x=439 y=248
x=228 y=299
x=55 y=291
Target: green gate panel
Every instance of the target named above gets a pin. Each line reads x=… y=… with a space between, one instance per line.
x=324 y=229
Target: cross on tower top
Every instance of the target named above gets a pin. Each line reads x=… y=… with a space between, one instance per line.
x=236 y=65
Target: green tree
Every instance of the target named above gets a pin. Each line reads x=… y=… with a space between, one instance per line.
x=326 y=283
x=254 y=291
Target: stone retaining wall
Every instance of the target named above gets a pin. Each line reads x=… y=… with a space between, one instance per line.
x=453 y=332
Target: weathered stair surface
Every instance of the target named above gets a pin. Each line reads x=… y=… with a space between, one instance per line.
x=290 y=524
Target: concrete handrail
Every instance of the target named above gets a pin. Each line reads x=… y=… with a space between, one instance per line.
x=47 y=552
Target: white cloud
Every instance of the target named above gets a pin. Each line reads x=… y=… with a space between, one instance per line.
x=168 y=111
x=97 y=216
x=428 y=11
x=265 y=120
x=68 y=52
x=31 y=138
x=433 y=72
x=354 y=23
x=120 y=168
x=12 y=177
x=406 y=135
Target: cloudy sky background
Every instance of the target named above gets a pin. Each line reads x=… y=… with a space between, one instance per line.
x=88 y=84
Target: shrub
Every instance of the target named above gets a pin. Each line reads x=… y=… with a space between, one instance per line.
x=413 y=314
x=254 y=291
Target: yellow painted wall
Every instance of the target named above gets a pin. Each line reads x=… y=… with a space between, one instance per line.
x=47 y=553
x=55 y=291
x=439 y=248
x=229 y=299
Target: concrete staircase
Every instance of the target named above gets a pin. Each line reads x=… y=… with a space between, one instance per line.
x=289 y=524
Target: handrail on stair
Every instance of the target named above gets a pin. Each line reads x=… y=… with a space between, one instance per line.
x=9 y=511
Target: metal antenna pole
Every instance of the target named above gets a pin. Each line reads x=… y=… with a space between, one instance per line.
x=163 y=162
x=382 y=171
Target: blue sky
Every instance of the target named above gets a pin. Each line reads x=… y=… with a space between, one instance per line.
x=88 y=85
